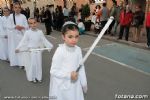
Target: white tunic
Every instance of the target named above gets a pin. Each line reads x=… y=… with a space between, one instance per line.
x=14 y=37
x=5 y=23
x=33 y=65
x=65 y=60
x=3 y=42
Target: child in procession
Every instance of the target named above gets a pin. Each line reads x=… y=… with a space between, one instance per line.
x=16 y=27
x=5 y=23
x=65 y=82
x=3 y=42
x=33 y=39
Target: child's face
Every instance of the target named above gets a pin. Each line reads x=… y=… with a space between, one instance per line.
x=6 y=12
x=17 y=8
x=33 y=23
x=71 y=37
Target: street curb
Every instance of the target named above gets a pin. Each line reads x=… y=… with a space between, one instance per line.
x=114 y=39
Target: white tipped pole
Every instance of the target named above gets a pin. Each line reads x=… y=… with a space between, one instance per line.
x=33 y=50
x=95 y=42
x=40 y=49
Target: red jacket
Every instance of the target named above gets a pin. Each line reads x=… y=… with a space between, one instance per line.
x=147 y=21
x=126 y=18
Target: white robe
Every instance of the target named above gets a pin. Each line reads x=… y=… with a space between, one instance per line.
x=33 y=63
x=65 y=60
x=14 y=37
x=5 y=23
x=3 y=41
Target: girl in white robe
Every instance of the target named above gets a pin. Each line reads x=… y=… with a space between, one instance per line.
x=3 y=42
x=33 y=39
x=17 y=26
x=65 y=82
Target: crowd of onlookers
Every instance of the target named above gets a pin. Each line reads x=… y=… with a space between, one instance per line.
x=124 y=19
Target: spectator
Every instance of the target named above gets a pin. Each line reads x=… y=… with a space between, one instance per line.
x=81 y=26
x=148 y=28
x=138 y=19
x=104 y=15
x=125 y=22
x=98 y=13
x=81 y=12
x=113 y=12
x=48 y=20
x=93 y=19
x=119 y=9
x=74 y=11
x=28 y=12
x=65 y=12
x=60 y=18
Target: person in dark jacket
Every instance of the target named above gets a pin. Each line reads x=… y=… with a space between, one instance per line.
x=138 y=19
x=48 y=21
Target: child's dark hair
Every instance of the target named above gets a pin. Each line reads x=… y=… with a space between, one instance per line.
x=17 y=3
x=69 y=26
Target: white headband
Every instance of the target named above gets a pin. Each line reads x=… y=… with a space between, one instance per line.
x=69 y=22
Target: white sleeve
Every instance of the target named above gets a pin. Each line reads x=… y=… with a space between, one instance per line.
x=23 y=43
x=56 y=69
x=11 y=24
x=26 y=26
x=1 y=27
x=46 y=43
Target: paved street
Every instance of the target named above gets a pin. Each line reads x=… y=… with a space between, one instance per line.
x=112 y=70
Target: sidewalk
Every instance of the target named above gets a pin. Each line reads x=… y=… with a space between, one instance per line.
x=142 y=43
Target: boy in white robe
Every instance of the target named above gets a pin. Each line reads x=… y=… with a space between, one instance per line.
x=65 y=82
x=4 y=21
x=33 y=39
x=17 y=26
x=3 y=42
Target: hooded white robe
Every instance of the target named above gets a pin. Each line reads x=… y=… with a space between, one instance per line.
x=14 y=37
x=65 y=60
x=33 y=39
x=3 y=41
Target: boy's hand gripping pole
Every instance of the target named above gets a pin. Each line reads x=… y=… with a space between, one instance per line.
x=95 y=43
